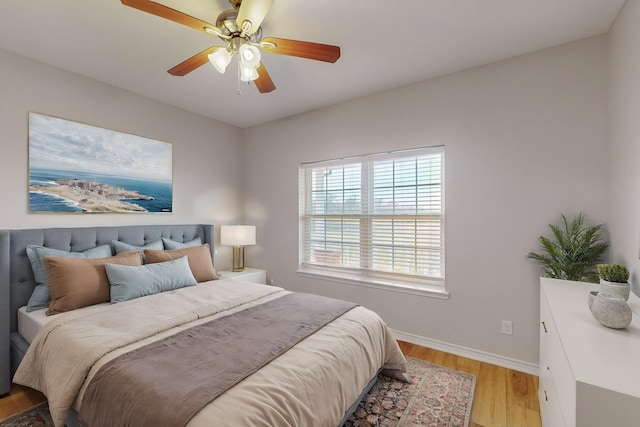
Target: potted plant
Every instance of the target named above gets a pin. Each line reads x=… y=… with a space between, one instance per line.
x=573 y=252
x=614 y=280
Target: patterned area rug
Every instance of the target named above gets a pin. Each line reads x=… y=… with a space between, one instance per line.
x=436 y=397
x=37 y=416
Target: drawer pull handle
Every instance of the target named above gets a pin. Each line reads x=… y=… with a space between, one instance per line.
x=546 y=398
x=544 y=327
x=548 y=369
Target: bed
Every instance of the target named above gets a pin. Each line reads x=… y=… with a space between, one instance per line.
x=316 y=379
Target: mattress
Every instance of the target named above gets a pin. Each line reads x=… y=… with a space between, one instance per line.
x=30 y=323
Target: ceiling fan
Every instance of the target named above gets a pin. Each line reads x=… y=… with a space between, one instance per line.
x=239 y=28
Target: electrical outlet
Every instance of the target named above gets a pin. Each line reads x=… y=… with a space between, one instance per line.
x=507 y=327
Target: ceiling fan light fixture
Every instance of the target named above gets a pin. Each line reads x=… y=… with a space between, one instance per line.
x=248 y=74
x=220 y=58
x=238 y=27
x=249 y=55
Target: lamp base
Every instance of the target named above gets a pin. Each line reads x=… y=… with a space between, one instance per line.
x=238 y=258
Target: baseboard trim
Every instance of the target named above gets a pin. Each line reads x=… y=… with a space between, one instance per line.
x=482 y=356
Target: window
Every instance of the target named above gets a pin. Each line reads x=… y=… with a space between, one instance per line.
x=377 y=217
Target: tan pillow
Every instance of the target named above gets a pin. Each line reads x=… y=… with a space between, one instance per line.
x=79 y=282
x=199 y=258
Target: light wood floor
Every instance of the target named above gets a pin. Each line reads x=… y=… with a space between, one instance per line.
x=19 y=399
x=503 y=398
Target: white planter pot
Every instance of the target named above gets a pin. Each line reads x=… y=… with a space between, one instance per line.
x=611 y=311
x=615 y=288
x=592 y=297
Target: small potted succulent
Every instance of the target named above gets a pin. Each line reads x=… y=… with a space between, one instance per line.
x=614 y=280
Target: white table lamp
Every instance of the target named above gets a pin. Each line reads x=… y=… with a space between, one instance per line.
x=238 y=236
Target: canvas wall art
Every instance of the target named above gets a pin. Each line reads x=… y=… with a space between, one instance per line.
x=74 y=167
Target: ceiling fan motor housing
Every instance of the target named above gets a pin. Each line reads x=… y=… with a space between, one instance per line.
x=226 y=22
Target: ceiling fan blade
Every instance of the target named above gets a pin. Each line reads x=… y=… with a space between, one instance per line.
x=253 y=12
x=197 y=60
x=309 y=50
x=264 y=82
x=170 y=14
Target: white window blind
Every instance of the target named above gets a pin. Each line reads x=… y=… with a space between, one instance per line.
x=378 y=215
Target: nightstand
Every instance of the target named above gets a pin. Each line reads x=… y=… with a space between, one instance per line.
x=255 y=275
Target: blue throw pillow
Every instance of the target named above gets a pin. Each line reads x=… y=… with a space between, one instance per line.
x=172 y=244
x=120 y=247
x=41 y=296
x=128 y=282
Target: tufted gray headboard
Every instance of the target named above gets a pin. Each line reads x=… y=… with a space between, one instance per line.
x=16 y=276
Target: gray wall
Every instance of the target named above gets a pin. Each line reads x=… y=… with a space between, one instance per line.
x=525 y=140
x=207 y=155
x=624 y=139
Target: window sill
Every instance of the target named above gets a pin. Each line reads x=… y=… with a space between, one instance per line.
x=370 y=282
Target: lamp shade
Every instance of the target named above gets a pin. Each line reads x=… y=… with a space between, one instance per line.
x=248 y=74
x=249 y=55
x=220 y=58
x=238 y=235
x=249 y=62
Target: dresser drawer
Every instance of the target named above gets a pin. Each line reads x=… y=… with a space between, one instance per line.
x=562 y=377
x=550 y=410
x=556 y=377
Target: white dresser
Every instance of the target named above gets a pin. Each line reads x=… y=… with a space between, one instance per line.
x=255 y=275
x=589 y=374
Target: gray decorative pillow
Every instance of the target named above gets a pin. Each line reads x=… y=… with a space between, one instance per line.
x=41 y=296
x=129 y=282
x=172 y=244
x=120 y=247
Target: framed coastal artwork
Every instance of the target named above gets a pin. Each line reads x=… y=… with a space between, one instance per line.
x=74 y=167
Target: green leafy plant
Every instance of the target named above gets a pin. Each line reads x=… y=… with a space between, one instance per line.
x=613 y=272
x=574 y=251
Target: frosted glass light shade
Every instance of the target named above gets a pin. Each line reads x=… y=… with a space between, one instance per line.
x=249 y=55
x=238 y=235
x=220 y=58
x=249 y=62
x=248 y=74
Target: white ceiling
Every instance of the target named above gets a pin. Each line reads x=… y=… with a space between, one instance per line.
x=384 y=43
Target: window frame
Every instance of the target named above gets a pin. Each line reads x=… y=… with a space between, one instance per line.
x=362 y=276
